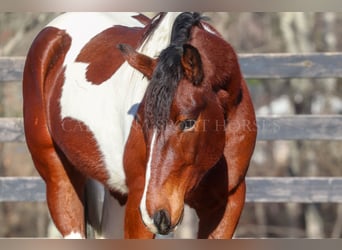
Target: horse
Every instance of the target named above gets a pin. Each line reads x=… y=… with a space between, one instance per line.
x=154 y=109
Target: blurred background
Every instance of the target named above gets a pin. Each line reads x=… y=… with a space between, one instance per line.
x=248 y=33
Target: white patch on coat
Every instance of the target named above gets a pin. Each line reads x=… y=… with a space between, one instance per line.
x=107 y=109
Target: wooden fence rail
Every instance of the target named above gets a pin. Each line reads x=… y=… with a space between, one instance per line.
x=253 y=66
x=299 y=127
x=260 y=189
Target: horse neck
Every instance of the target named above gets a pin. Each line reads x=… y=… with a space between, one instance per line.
x=160 y=37
x=226 y=74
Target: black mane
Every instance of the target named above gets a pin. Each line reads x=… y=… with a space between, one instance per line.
x=168 y=72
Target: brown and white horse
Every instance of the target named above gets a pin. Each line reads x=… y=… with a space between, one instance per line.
x=155 y=110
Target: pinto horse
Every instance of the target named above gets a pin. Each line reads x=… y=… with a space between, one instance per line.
x=156 y=110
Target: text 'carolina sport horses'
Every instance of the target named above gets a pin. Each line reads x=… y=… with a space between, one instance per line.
x=156 y=110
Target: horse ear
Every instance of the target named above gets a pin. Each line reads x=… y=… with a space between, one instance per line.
x=192 y=64
x=140 y=62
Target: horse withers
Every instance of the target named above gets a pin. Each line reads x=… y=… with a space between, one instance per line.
x=156 y=110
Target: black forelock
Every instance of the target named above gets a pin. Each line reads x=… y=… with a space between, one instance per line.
x=182 y=26
x=168 y=72
x=161 y=89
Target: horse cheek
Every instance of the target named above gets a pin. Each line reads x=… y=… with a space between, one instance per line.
x=212 y=136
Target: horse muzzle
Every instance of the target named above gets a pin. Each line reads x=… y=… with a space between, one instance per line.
x=162 y=221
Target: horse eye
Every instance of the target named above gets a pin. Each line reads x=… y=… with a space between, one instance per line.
x=187 y=124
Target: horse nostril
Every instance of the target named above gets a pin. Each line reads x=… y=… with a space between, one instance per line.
x=162 y=221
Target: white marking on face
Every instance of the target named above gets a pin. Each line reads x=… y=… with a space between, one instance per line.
x=74 y=235
x=148 y=221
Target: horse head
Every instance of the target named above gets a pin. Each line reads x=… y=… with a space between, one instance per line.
x=183 y=116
